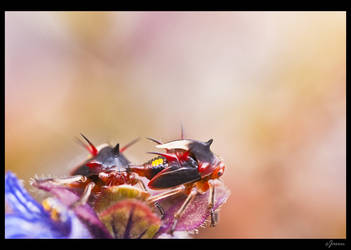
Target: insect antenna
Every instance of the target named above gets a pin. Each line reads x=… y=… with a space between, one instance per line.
x=169 y=157
x=80 y=142
x=128 y=145
x=91 y=148
x=88 y=147
x=181 y=131
x=154 y=140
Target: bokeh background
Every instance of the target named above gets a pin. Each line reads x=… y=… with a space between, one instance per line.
x=268 y=87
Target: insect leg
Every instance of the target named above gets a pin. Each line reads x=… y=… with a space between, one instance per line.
x=64 y=180
x=70 y=179
x=160 y=209
x=181 y=210
x=153 y=199
x=85 y=196
x=143 y=187
x=211 y=204
x=141 y=184
x=171 y=192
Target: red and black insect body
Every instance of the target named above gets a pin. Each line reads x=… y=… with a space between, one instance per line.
x=104 y=168
x=107 y=165
x=187 y=166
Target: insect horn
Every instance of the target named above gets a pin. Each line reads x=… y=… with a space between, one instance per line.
x=116 y=149
x=209 y=142
x=91 y=148
x=128 y=145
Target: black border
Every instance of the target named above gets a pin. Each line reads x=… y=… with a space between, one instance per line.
x=224 y=243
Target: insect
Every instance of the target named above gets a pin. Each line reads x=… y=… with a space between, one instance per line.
x=187 y=166
x=105 y=167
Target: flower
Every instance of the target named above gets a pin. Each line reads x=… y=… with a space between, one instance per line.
x=121 y=211
x=116 y=212
x=84 y=212
x=29 y=219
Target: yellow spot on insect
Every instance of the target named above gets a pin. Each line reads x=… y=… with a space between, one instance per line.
x=157 y=162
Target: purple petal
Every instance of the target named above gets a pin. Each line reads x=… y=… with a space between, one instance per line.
x=84 y=212
x=197 y=211
x=29 y=219
x=18 y=227
x=19 y=200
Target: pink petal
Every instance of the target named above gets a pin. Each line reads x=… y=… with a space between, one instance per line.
x=197 y=211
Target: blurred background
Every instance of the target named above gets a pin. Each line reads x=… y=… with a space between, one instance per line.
x=268 y=87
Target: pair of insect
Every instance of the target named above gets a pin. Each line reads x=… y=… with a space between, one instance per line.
x=187 y=166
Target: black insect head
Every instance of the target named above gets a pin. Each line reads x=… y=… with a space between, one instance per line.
x=201 y=151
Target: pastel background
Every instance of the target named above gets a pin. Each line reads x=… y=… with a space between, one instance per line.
x=268 y=87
